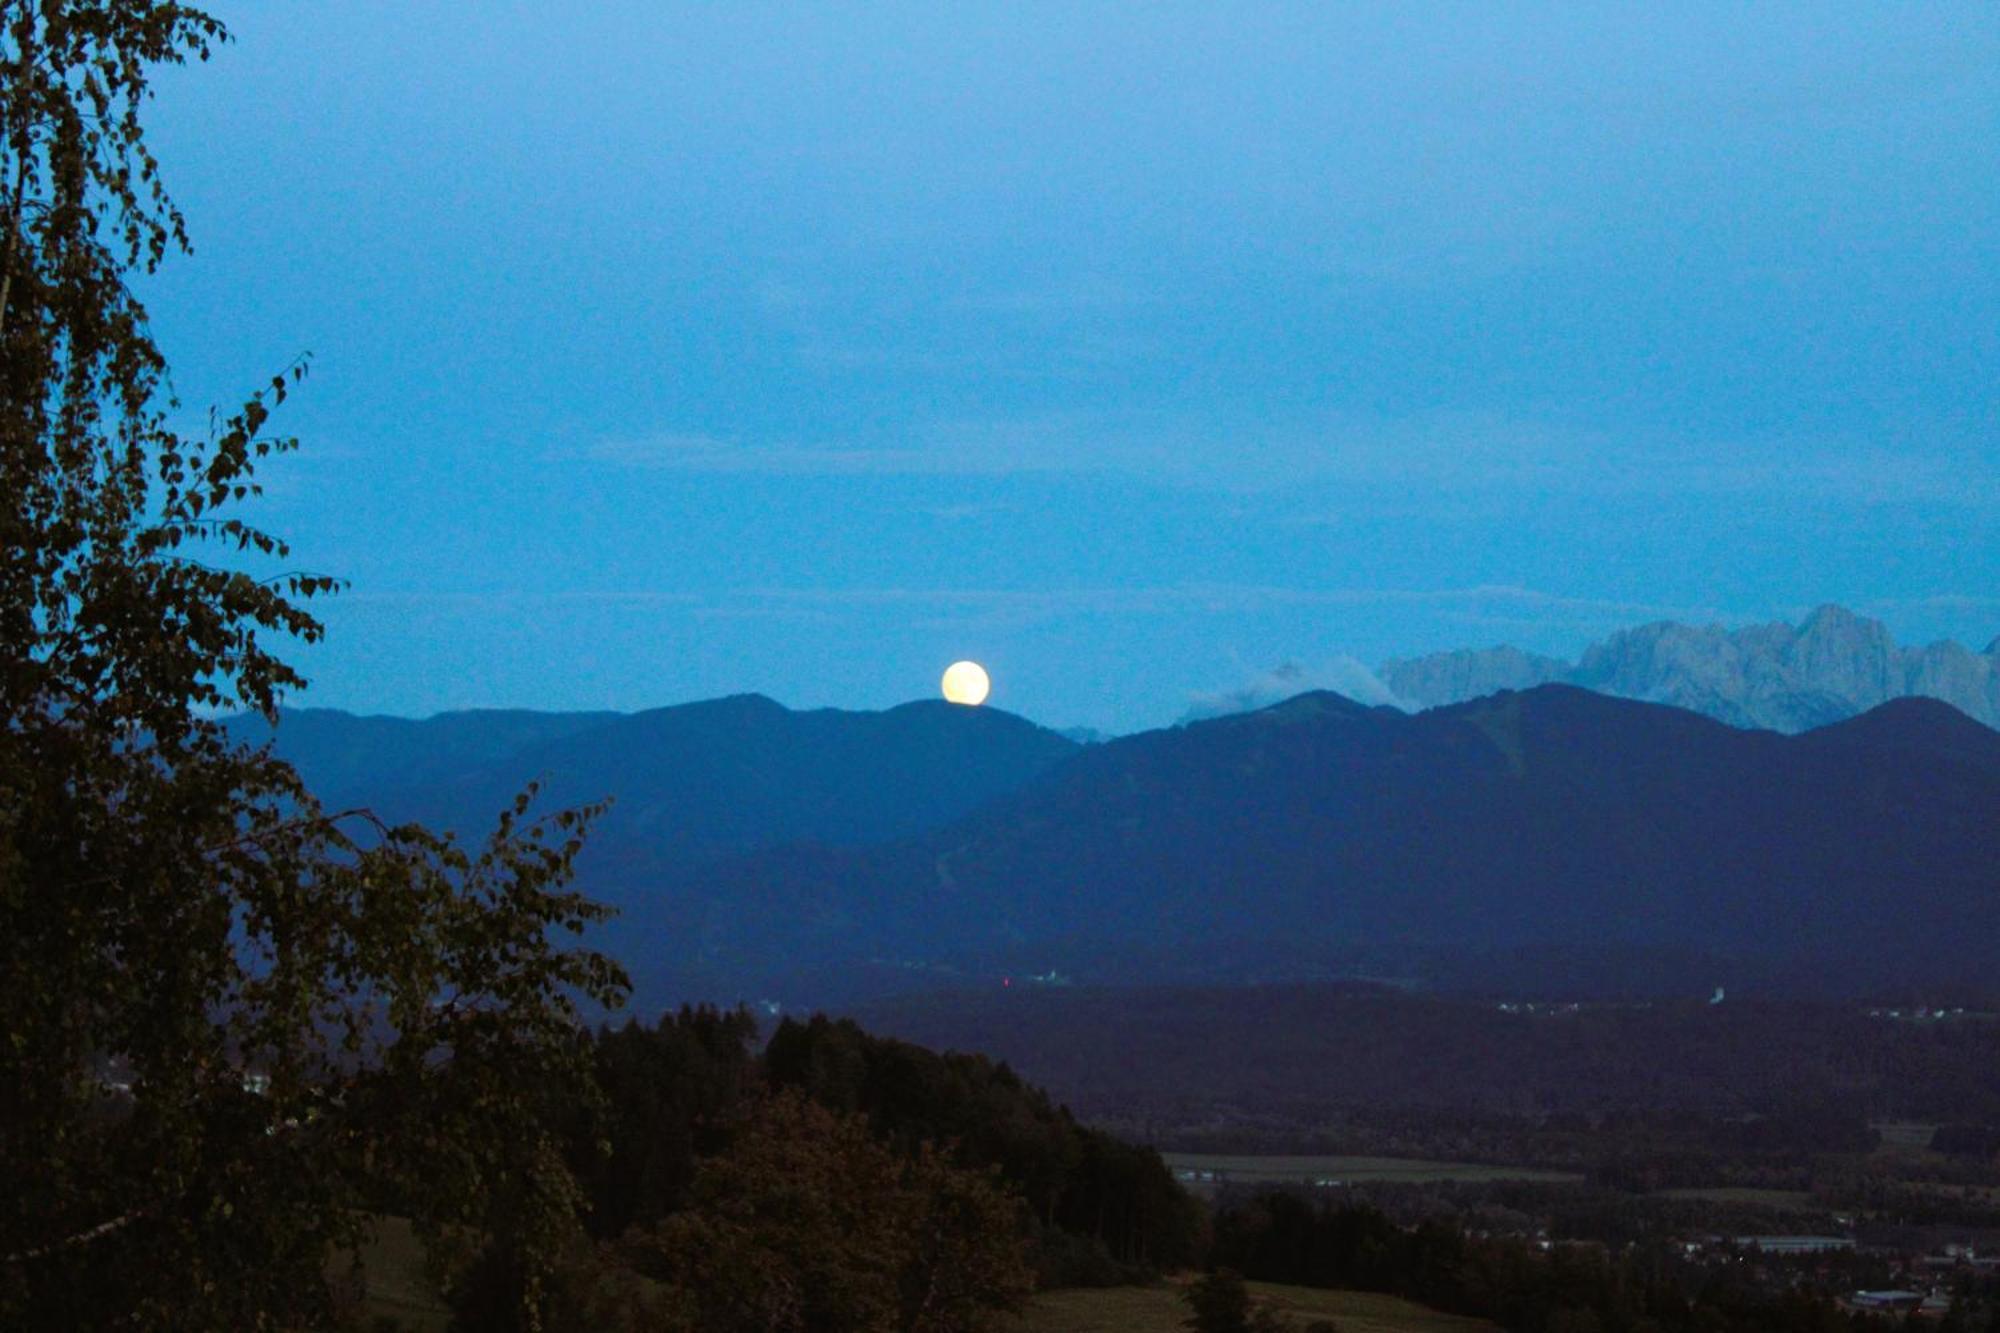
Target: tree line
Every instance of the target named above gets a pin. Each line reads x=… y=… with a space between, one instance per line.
x=697 y=1131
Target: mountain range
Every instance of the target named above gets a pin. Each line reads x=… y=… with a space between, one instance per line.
x=1545 y=839
x=1832 y=665
x=1548 y=838
x=1541 y=839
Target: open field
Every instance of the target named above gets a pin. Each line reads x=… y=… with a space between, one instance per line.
x=1160 y=1309
x=397 y=1286
x=1206 y=1171
x=1905 y=1135
x=398 y=1289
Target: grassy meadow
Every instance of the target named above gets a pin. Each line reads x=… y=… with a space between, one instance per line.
x=398 y=1290
x=395 y=1284
x=1160 y=1309
x=1905 y=1136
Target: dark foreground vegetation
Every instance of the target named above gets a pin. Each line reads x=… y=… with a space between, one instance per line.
x=831 y=1179
x=835 y=1180
x=234 y=1018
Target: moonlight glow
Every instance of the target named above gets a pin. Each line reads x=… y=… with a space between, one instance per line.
x=966 y=683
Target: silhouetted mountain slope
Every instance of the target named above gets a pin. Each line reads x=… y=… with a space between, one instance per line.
x=690 y=782
x=1832 y=665
x=1322 y=838
x=1925 y=730
x=1546 y=838
x=349 y=758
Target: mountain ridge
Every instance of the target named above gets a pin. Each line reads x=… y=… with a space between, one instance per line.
x=756 y=851
x=1321 y=838
x=688 y=781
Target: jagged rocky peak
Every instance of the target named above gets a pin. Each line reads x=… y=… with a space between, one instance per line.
x=1946 y=671
x=1833 y=664
x=1659 y=652
x=1443 y=678
x=1847 y=655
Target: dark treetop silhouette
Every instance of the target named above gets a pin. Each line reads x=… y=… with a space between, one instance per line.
x=232 y=1025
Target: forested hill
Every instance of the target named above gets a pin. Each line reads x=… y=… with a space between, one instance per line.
x=1552 y=829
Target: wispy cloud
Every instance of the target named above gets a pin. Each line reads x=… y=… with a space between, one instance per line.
x=1342 y=675
x=1425 y=463
x=1022 y=447
x=1977 y=604
x=1013 y=608
x=706 y=454
x=1485 y=614
x=968 y=510
x=1432 y=457
x=507 y=597
x=1086 y=294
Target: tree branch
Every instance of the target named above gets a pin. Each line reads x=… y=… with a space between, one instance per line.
x=98 y=1232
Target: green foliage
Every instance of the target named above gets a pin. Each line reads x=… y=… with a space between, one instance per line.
x=1083 y=1185
x=672 y=1093
x=179 y=920
x=676 y=1094
x=1220 y=1303
x=808 y=1222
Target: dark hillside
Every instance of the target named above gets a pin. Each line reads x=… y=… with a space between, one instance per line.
x=691 y=781
x=1551 y=841
x=1319 y=838
x=349 y=758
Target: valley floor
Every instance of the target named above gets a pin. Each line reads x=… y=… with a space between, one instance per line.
x=1205 y=1173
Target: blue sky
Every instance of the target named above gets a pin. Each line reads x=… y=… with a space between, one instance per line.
x=667 y=351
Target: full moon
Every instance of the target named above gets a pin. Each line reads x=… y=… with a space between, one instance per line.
x=966 y=683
